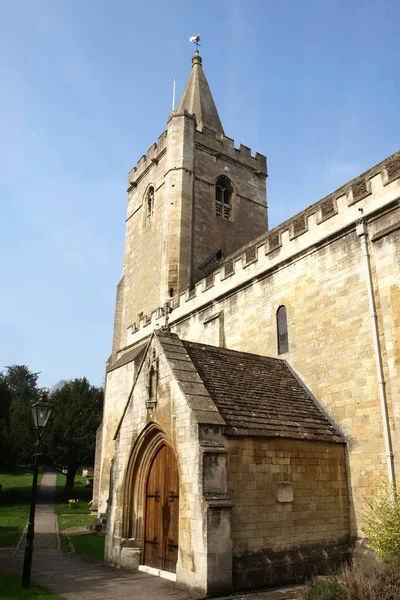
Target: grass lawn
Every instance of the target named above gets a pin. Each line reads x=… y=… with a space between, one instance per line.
x=77 y=514
x=91 y=545
x=66 y=521
x=10 y=587
x=14 y=505
x=81 y=493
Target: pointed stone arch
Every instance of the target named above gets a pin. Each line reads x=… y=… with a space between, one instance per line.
x=145 y=448
x=149 y=204
x=224 y=196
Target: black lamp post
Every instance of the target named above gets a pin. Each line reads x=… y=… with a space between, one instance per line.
x=41 y=411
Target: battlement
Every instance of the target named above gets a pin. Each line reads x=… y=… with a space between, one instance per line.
x=220 y=145
x=371 y=191
x=152 y=155
x=225 y=146
x=180 y=113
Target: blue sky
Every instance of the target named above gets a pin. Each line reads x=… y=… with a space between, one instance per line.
x=86 y=88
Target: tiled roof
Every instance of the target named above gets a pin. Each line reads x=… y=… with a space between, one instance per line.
x=127 y=357
x=259 y=396
x=189 y=380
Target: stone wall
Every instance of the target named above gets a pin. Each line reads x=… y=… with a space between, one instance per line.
x=97 y=468
x=118 y=387
x=143 y=246
x=330 y=341
x=204 y=524
x=302 y=233
x=290 y=509
x=163 y=255
x=386 y=262
x=215 y=157
x=317 y=272
x=173 y=417
x=313 y=265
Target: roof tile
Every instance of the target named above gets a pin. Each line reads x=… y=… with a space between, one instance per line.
x=258 y=395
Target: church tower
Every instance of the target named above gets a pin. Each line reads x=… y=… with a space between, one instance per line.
x=193 y=199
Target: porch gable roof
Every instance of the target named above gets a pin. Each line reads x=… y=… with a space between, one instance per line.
x=259 y=395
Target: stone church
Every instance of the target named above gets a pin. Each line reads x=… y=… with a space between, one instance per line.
x=253 y=390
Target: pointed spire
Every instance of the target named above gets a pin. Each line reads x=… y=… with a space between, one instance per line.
x=197 y=98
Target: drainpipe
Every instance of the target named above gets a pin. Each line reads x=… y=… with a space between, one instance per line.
x=362 y=232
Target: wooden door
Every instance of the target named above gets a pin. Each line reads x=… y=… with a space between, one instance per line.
x=162 y=512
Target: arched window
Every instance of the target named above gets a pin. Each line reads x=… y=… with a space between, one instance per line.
x=150 y=204
x=282 y=330
x=223 y=197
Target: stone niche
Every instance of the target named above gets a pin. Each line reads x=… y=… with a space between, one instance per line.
x=214 y=474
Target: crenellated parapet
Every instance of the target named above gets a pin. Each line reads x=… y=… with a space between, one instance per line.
x=151 y=158
x=366 y=194
x=219 y=145
x=180 y=113
x=224 y=147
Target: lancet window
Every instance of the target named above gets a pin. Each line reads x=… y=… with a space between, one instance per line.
x=282 y=330
x=150 y=204
x=223 y=198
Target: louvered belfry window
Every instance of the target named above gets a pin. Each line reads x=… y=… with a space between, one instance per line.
x=282 y=330
x=223 y=197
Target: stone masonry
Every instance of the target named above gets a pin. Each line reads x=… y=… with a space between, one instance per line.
x=224 y=280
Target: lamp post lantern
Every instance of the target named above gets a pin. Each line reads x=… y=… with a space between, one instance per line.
x=41 y=411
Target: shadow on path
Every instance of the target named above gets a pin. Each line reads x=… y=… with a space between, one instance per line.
x=79 y=578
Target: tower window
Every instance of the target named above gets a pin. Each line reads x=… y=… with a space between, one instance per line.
x=223 y=198
x=150 y=204
x=282 y=330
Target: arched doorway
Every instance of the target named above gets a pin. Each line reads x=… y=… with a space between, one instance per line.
x=162 y=511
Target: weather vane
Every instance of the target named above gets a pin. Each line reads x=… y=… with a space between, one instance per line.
x=196 y=40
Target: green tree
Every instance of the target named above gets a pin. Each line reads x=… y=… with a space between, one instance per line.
x=5 y=397
x=5 y=447
x=71 y=433
x=18 y=390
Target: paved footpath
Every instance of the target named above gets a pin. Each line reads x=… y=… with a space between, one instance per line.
x=75 y=577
